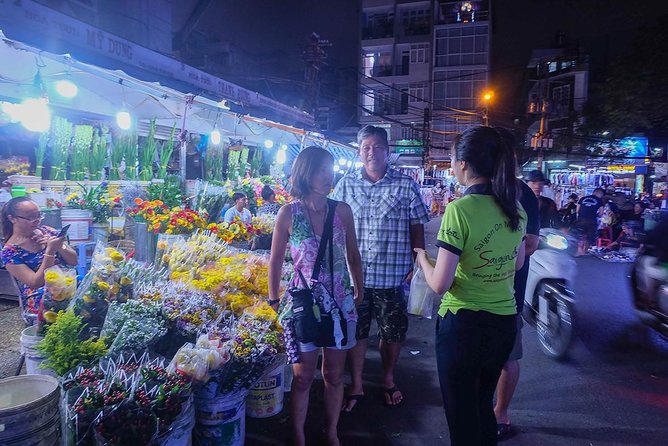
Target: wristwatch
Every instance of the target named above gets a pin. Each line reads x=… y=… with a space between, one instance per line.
x=273 y=301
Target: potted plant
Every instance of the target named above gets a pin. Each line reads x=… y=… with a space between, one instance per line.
x=88 y=206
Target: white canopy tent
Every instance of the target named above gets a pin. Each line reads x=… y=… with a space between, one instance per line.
x=102 y=93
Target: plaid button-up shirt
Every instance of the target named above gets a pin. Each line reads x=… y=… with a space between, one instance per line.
x=383 y=212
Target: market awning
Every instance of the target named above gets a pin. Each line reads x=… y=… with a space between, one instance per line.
x=103 y=93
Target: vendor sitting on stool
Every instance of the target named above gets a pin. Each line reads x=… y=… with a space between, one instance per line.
x=627 y=238
x=30 y=248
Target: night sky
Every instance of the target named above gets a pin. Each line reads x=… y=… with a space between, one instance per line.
x=601 y=28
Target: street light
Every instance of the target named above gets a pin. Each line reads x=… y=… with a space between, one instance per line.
x=487 y=97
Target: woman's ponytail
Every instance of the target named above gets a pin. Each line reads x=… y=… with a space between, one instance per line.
x=504 y=180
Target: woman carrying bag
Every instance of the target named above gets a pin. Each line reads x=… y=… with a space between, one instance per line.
x=480 y=247
x=305 y=225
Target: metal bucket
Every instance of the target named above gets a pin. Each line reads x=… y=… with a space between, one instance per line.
x=29 y=411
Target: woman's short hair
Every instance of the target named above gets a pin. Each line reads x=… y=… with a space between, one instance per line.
x=238 y=195
x=267 y=192
x=308 y=163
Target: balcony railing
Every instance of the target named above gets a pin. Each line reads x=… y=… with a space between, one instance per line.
x=389 y=70
x=449 y=18
x=378 y=30
x=421 y=29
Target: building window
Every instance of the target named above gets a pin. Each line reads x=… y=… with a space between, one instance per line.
x=460 y=89
x=420 y=53
x=415 y=22
x=416 y=93
x=462 y=46
x=376 y=63
x=379 y=26
x=409 y=133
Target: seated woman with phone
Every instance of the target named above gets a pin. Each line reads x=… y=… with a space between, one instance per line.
x=29 y=249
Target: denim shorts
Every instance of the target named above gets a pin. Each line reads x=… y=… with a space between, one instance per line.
x=388 y=306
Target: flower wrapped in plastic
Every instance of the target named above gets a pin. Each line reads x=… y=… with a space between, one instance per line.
x=188 y=310
x=60 y=286
x=255 y=349
x=126 y=423
x=133 y=325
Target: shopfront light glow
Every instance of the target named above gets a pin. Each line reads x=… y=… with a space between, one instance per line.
x=123 y=120
x=268 y=143
x=281 y=156
x=342 y=161
x=284 y=147
x=336 y=168
x=358 y=164
x=35 y=115
x=349 y=164
x=66 y=88
x=215 y=137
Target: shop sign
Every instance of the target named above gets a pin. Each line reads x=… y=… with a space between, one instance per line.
x=622 y=169
x=29 y=15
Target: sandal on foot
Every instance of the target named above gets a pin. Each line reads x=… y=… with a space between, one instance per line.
x=351 y=399
x=389 y=393
x=502 y=431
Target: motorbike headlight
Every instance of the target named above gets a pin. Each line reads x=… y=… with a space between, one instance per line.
x=556 y=241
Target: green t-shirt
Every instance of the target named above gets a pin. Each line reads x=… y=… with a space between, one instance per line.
x=475 y=228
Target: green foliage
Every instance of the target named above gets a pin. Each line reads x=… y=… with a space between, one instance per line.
x=148 y=151
x=63 y=348
x=213 y=163
x=165 y=154
x=60 y=147
x=92 y=199
x=80 y=151
x=256 y=162
x=124 y=147
x=40 y=153
x=168 y=192
x=98 y=154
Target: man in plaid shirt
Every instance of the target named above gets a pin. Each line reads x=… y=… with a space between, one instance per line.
x=389 y=222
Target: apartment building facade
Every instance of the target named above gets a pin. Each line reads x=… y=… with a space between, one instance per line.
x=424 y=67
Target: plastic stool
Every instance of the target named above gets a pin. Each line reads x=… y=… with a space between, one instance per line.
x=605 y=238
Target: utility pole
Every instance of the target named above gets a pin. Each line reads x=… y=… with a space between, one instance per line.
x=314 y=56
x=426 y=121
x=542 y=140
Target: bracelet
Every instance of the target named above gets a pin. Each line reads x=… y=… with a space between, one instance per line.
x=273 y=301
x=50 y=255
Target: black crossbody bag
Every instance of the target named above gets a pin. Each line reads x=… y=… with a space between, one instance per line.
x=311 y=323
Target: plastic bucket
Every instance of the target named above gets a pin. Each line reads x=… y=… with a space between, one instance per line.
x=18 y=191
x=33 y=357
x=220 y=421
x=265 y=398
x=99 y=232
x=29 y=414
x=79 y=220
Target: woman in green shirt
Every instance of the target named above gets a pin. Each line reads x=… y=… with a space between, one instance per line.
x=480 y=247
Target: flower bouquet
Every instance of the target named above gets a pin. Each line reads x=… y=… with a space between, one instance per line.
x=188 y=310
x=60 y=285
x=126 y=423
x=184 y=257
x=133 y=325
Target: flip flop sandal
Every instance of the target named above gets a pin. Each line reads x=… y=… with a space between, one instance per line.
x=502 y=431
x=389 y=393
x=349 y=398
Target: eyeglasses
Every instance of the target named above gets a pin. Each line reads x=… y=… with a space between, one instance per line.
x=33 y=219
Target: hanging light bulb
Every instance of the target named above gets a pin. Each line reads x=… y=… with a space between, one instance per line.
x=66 y=88
x=268 y=143
x=281 y=156
x=123 y=120
x=215 y=137
x=35 y=115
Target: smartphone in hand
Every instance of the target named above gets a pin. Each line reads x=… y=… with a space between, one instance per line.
x=63 y=231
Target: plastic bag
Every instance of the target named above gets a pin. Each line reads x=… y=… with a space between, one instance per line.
x=60 y=285
x=421 y=296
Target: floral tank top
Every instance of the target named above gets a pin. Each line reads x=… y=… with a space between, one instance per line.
x=304 y=249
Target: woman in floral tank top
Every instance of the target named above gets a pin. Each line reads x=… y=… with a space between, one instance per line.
x=301 y=224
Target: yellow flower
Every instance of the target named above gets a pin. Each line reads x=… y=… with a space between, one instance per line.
x=125 y=281
x=104 y=286
x=51 y=277
x=117 y=257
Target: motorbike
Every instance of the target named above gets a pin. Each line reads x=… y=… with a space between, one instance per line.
x=549 y=302
x=649 y=283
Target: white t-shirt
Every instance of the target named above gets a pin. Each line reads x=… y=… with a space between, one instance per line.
x=245 y=215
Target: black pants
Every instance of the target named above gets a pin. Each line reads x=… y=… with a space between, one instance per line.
x=471 y=348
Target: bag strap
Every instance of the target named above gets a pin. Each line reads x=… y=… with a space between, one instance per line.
x=327 y=234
